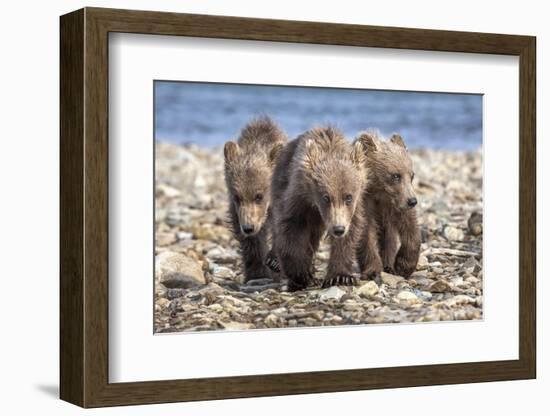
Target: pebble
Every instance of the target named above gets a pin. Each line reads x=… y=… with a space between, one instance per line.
x=236 y=326
x=271 y=321
x=407 y=296
x=222 y=256
x=167 y=191
x=457 y=280
x=423 y=263
x=475 y=223
x=165 y=239
x=331 y=293
x=439 y=286
x=184 y=235
x=459 y=300
x=390 y=279
x=223 y=272
x=368 y=289
x=453 y=233
x=472 y=279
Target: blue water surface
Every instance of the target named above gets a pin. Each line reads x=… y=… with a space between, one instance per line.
x=208 y=114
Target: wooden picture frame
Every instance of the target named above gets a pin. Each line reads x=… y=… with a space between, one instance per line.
x=84 y=207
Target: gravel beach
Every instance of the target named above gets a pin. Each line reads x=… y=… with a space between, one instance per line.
x=198 y=274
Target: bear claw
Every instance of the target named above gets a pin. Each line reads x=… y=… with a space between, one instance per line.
x=339 y=280
x=273 y=263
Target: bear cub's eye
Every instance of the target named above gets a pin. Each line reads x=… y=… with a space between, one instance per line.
x=348 y=198
x=237 y=199
x=396 y=177
x=258 y=198
x=326 y=198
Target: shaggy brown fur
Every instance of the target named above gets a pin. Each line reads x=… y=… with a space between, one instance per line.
x=317 y=187
x=391 y=238
x=249 y=164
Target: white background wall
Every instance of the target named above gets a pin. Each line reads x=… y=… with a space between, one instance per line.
x=29 y=157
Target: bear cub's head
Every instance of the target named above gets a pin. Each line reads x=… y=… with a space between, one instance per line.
x=391 y=170
x=335 y=173
x=248 y=179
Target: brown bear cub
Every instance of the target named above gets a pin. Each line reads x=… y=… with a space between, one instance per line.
x=249 y=164
x=317 y=186
x=391 y=237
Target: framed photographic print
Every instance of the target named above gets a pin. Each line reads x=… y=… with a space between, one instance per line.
x=256 y=207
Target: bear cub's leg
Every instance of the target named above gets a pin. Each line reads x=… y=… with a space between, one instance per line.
x=297 y=259
x=340 y=264
x=390 y=247
x=253 y=251
x=368 y=252
x=409 y=252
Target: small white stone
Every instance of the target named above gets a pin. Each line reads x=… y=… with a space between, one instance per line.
x=333 y=292
x=236 y=326
x=422 y=263
x=183 y=235
x=453 y=234
x=460 y=300
x=167 y=191
x=271 y=320
x=407 y=296
x=426 y=295
x=223 y=272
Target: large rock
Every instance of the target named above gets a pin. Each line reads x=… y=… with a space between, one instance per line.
x=176 y=270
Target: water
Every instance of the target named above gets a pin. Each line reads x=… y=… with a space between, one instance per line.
x=210 y=114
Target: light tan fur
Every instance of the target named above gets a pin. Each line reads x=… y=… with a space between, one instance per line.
x=391 y=237
x=249 y=164
x=317 y=187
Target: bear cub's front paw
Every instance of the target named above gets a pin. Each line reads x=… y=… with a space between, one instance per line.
x=404 y=267
x=300 y=282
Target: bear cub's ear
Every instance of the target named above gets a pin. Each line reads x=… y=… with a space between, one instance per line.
x=311 y=153
x=359 y=153
x=398 y=140
x=231 y=151
x=368 y=141
x=274 y=152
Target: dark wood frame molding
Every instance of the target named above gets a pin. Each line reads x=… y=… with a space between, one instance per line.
x=84 y=207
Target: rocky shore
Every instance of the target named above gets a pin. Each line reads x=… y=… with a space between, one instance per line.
x=198 y=274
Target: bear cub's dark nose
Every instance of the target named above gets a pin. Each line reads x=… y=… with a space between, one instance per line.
x=338 y=230
x=411 y=202
x=248 y=228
